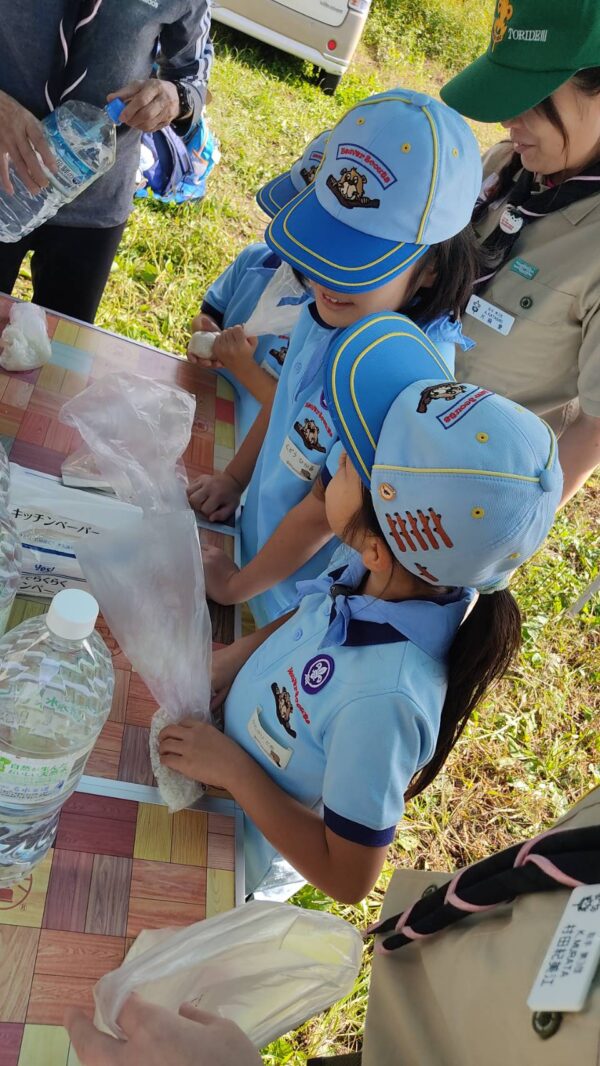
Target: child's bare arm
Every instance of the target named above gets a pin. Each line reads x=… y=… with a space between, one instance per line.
x=301 y=534
x=339 y=867
x=217 y=496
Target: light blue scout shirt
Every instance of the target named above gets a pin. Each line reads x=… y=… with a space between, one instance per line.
x=230 y=300
x=299 y=439
x=341 y=705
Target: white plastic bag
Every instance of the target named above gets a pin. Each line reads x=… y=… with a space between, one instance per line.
x=280 y=305
x=148 y=579
x=137 y=429
x=266 y=966
x=277 y=312
x=26 y=345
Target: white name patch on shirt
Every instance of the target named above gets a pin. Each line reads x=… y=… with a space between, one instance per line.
x=571 y=961
x=274 y=751
x=492 y=316
x=293 y=458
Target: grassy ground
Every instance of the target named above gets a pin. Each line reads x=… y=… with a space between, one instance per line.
x=533 y=747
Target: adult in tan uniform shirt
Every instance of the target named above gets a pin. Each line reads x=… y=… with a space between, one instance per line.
x=541 y=79
x=455 y=999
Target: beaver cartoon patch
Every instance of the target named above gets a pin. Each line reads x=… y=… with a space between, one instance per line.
x=309 y=432
x=446 y=390
x=284 y=707
x=308 y=174
x=349 y=188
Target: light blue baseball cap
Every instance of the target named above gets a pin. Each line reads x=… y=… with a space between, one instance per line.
x=371 y=363
x=278 y=192
x=465 y=483
x=401 y=171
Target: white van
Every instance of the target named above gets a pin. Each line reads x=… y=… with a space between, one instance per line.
x=324 y=32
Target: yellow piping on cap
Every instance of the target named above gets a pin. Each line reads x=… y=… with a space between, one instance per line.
x=449 y=470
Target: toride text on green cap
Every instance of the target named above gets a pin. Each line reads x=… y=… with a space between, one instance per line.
x=535 y=46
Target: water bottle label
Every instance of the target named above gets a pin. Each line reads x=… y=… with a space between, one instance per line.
x=25 y=780
x=71 y=170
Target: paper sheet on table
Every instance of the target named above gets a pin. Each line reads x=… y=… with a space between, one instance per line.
x=51 y=520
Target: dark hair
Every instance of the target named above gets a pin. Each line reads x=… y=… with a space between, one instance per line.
x=457 y=263
x=480 y=654
x=586 y=82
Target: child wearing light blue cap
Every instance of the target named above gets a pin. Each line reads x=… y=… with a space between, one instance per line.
x=384 y=225
x=350 y=704
x=253 y=365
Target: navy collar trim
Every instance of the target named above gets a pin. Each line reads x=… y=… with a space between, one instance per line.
x=312 y=307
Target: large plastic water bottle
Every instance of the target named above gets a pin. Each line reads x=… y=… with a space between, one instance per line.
x=10 y=548
x=56 y=686
x=83 y=141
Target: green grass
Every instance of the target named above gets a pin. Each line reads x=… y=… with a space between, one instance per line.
x=532 y=748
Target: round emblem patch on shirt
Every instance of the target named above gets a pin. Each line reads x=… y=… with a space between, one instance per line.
x=317 y=673
x=510 y=221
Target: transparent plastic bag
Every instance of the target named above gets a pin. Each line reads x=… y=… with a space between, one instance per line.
x=137 y=429
x=276 y=312
x=147 y=577
x=266 y=966
x=25 y=341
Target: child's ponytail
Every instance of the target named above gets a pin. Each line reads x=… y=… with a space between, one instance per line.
x=481 y=653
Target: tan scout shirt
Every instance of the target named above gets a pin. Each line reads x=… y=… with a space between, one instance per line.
x=552 y=354
x=459 y=999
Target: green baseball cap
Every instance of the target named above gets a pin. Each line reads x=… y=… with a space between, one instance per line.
x=535 y=46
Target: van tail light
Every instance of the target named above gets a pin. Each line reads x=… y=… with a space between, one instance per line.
x=332 y=45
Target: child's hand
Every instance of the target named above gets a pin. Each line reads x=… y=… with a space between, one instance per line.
x=203 y=324
x=220 y=573
x=234 y=350
x=225 y=668
x=200 y=751
x=216 y=496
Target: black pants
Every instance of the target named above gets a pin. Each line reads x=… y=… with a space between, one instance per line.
x=69 y=266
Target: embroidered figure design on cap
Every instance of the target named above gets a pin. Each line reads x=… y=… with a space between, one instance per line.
x=447 y=390
x=349 y=189
x=504 y=13
x=420 y=533
x=317 y=673
x=284 y=707
x=308 y=174
x=309 y=433
x=424 y=572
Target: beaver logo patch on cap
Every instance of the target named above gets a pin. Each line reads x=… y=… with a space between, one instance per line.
x=446 y=390
x=348 y=189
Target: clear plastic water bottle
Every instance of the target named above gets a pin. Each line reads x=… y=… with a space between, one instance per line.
x=83 y=142
x=56 y=686
x=11 y=556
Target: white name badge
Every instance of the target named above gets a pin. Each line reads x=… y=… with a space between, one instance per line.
x=490 y=315
x=571 y=961
x=265 y=365
x=297 y=462
x=274 y=751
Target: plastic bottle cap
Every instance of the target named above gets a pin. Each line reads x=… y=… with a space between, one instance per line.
x=72 y=614
x=115 y=109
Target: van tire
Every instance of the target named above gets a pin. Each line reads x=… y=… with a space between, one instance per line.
x=327 y=82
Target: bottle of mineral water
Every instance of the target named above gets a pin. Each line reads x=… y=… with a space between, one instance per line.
x=56 y=686
x=10 y=548
x=83 y=142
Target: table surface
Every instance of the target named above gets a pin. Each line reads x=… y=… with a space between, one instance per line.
x=120 y=862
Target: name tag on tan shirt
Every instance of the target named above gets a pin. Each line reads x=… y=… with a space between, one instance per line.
x=492 y=316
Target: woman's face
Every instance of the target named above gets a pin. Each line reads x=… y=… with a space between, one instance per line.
x=540 y=144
